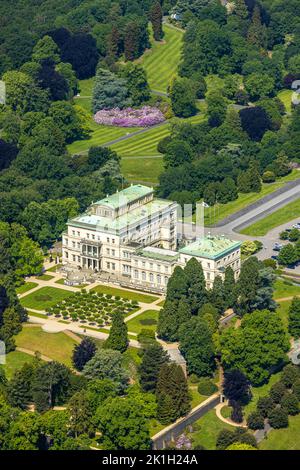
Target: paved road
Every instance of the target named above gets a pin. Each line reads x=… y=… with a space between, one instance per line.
x=248 y=216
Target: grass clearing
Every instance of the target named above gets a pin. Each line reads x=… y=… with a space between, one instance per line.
x=284 y=439
x=258 y=392
x=15 y=361
x=219 y=212
x=57 y=346
x=131 y=295
x=147 y=319
x=26 y=287
x=283 y=310
x=44 y=298
x=285 y=289
x=286 y=97
x=145 y=170
x=289 y=212
x=162 y=60
x=54 y=268
x=207 y=429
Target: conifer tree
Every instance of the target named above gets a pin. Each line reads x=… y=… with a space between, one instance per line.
x=217 y=295
x=83 y=353
x=257 y=31
x=156 y=16
x=172 y=393
x=229 y=288
x=19 y=387
x=114 y=42
x=177 y=286
x=153 y=358
x=241 y=9
x=131 y=46
x=196 y=286
x=118 y=338
x=294 y=318
x=109 y=92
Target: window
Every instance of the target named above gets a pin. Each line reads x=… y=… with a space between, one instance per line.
x=108 y=265
x=66 y=254
x=93 y=237
x=73 y=232
x=107 y=251
x=66 y=241
x=74 y=258
x=143 y=264
x=87 y=235
x=78 y=259
x=136 y=274
x=107 y=240
x=158 y=279
x=78 y=234
x=73 y=244
x=151 y=277
x=144 y=276
x=113 y=266
x=166 y=269
x=113 y=240
x=113 y=252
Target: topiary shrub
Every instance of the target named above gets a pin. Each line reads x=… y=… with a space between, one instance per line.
x=206 y=387
x=255 y=421
x=193 y=379
x=289 y=375
x=279 y=419
x=277 y=391
x=265 y=405
x=290 y=404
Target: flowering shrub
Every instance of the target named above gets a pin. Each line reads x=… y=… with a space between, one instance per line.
x=183 y=442
x=146 y=116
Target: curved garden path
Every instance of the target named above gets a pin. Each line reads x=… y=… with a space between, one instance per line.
x=218 y=409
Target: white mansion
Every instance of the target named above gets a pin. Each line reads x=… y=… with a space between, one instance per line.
x=131 y=238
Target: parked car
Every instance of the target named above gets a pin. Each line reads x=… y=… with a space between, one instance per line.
x=277 y=247
x=297 y=226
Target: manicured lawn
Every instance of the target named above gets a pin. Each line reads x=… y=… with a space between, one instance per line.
x=57 y=346
x=86 y=87
x=286 y=97
x=147 y=320
x=14 y=361
x=99 y=135
x=162 y=60
x=26 y=287
x=197 y=398
x=145 y=298
x=283 y=311
x=54 y=268
x=258 y=392
x=44 y=298
x=220 y=211
x=35 y=314
x=289 y=212
x=45 y=277
x=285 y=289
x=208 y=428
x=145 y=170
x=284 y=439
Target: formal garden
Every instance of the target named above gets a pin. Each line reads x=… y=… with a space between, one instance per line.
x=92 y=308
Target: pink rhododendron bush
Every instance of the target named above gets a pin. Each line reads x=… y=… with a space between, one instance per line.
x=146 y=116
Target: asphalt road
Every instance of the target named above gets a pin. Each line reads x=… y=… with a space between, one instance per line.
x=248 y=217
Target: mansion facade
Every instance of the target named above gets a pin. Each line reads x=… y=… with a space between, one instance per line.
x=131 y=238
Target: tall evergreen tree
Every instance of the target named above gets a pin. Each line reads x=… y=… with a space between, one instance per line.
x=109 y=91
x=19 y=387
x=114 y=42
x=172 y=393
x=294 y=318
x=241 y=9
x=83 y=352
x=247 y=285
x=217 y=295
x=229 y=288
x=153 y=358
x=171 y=316
x=138 y=87
x=156 y=17
x=131 y=46
x=177 y=286
x=118 y=337
x=257 y=31
x=196 y=285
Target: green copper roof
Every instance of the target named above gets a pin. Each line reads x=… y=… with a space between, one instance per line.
x=99 y=223
x=158 y=254
x=210 y=247
x=126 y=196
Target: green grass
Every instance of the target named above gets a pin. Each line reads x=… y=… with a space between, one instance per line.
x=86 y=87
x=137 y=324
x=57 y=346
x=208 y=428
x=284 y=439
x=44 y=298
x=226 y=411
x=99 y=135
x=283 y=310
x=262 y=227
x=285 y=289
x=14 y=361
x=145 y=298
x=258 y=392
x=219 y=212
x=162 y=60
x=45 y=277
x=286 y=97
x=26 y=287
x=35 y=314
x=145 y=170
x=54 y=268
x=197 y=398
